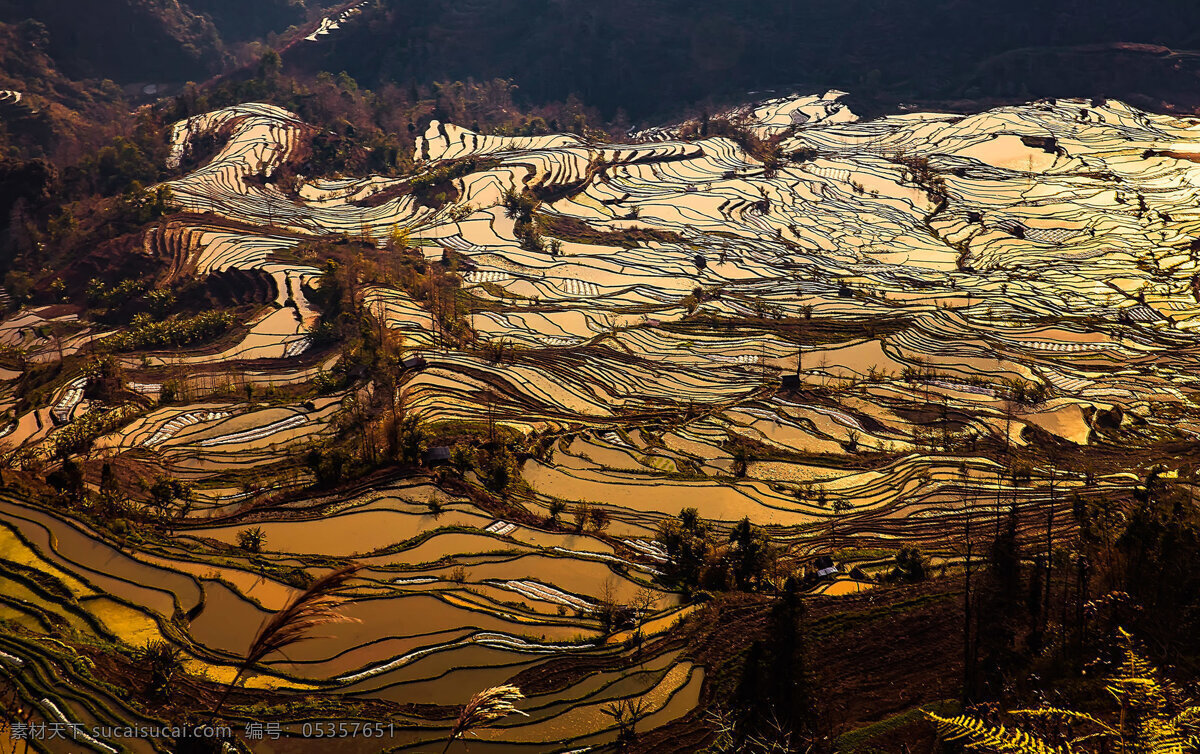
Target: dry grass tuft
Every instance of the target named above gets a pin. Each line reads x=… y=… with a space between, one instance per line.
x=314 y=607
x=485 y=708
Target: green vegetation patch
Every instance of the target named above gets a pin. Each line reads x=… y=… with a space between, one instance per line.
x=571 y=229
x=144 y=332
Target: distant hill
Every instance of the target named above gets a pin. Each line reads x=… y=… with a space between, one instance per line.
x=640 y=60
x=651 y=56
x=124 y=40
x=71 y=69
x=154 y=40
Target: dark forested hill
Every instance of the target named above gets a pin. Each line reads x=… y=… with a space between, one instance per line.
x=654 y=57
x=123 y=40
x=154 y=40
x=648 y=56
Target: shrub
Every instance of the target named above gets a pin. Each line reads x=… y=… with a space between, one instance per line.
x=252 y=539
x=162 y=661
x=911 y=565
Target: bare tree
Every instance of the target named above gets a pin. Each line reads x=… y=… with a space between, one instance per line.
x=968 y=606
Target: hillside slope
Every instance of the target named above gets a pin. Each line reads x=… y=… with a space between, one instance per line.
x=650 y=57
x=154 y=40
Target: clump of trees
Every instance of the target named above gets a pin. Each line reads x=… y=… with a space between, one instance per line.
x=738 y=130
x=79 y=435
x=99 y=293
x=519 y=207
x=1022 y=391
x=143 y=332
x=138 y=205
x=494 y=461
x=573 y=229
x=698 y=559
x=169 y=493
x=406 y=439
x=920 y=171
x=330 y=465
x=105 y=378
x=347 y=319
x=135 y=158
x=360 y=130
x=111 y=504
x=435 y=187
x=910 y=566
x=117 y=303
x=374 y=426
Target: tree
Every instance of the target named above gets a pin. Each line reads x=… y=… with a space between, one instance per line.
x=167 y=490
x=599 y=518
x=750 y=555
x=498 y=469
x=911 y=565
x=110 y=488
x=852 y=438
x=409 y=439
x=34 y=33
x=741 y=461
x=398 y=239
x=626 y=713
x=582 y=513
x=68 y=480
x=686 y=540
x=162 y=662
x=1149 y=550
x=969 y=648
x=1049 y=554
x=518 y=206
x=462 y=457
x=840 y=507
x=1001 y=599
x=269 y=65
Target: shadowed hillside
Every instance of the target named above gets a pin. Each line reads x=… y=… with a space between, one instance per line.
x=154 y=40
x=651 y=57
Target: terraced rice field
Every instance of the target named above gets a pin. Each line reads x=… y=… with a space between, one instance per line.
x=903 y=274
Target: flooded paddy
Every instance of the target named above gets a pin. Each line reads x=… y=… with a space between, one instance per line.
x=833 y=349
